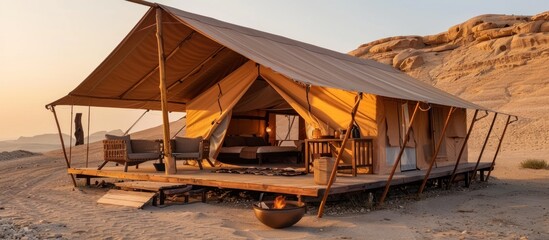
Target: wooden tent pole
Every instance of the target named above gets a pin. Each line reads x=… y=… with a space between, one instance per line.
x=463 y=149
x=499 y=146
x=434 y=158
x=484 y=146
x=88 y=144
x=339 y=155
x=168 y=158
x=399 y=156
x=62 y=143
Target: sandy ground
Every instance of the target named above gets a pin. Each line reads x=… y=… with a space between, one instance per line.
x=37 y=198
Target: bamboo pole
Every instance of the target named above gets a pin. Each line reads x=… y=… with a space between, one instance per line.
x=434 y=158
x=463 y=148
x=484 y=146
x=88 y=144
x=70 y=136
x=399 y=156
x=499 y=146
x=168 y=158
x=339 y=154
x=62 y=144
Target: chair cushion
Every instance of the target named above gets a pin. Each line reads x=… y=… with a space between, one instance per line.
x=193 y=155
x=187 y=145
x=143 y=156
x=126 y=138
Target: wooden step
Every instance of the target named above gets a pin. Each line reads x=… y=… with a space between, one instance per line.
x=127 y=198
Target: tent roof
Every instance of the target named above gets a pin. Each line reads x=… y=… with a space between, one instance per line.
x=201 y=51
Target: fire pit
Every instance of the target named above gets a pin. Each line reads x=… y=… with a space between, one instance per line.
x=279 y=216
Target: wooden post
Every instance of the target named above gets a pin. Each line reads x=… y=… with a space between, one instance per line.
x=463 y=149
x=168 y=158
x=499 y=146
x=437 y=148
x=339 y=155
x=399 y=156
x=484 y=146
x=62 y=143
x=88 y=143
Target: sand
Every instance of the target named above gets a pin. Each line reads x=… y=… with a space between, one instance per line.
x=37 y=199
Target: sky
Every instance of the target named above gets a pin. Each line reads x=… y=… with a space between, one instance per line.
x=48 y=47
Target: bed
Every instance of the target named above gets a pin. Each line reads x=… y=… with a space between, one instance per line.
x=244 y=149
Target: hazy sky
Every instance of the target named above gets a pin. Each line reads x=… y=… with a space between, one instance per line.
x=48 y=47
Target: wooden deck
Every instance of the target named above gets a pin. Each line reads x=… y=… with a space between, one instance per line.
x=296 y=185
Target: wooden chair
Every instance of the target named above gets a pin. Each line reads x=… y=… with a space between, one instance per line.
x=189 y=149
x=129 y=152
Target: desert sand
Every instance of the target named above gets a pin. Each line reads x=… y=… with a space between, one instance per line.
x=496 y=61
x=37 y=199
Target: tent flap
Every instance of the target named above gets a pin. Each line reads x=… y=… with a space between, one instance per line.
x=206 y=111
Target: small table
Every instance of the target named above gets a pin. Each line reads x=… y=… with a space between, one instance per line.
x=362 y=151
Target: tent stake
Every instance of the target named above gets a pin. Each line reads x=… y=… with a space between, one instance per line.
x=399 y=156
x=62 y=144
x=484 y=146
x=499 y=145
x=339 y=154
x=463 y=148
x=168 y=158
x=434 y=158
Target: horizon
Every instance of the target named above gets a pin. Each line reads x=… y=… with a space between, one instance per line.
x=42 y=58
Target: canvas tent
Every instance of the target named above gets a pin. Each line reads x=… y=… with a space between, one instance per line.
x=210 y=65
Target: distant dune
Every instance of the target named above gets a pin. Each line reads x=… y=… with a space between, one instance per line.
x=48 y=142
x=497 y=61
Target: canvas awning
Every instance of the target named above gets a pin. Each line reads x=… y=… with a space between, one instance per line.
x=201 y=51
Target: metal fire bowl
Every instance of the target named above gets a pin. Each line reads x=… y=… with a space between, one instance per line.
x=280 y=218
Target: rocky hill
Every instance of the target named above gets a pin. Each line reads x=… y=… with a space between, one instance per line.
x=497 y=61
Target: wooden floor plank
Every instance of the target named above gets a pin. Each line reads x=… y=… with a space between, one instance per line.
x=296 y=185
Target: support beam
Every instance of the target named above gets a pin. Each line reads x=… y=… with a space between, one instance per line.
x=62 y=143
x=136 y=121
x=463 y=149
x=339 y=155
x=499 y=145
x=168 y=158
x=434 y=158
x=197 y=67
x=399 y=156
x=142 y=2
x=484 y=146
x=151 y=72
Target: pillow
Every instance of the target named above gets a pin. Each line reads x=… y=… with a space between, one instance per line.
x=234 y=141
x=255 y=141
x=125 y=138
x=187 y=145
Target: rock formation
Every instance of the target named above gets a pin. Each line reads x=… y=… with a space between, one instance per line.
x=498 y=61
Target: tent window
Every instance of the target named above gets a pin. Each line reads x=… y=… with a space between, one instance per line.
x=438 y=117
x=287 y=129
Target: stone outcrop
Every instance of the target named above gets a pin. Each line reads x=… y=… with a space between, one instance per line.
x=498 y=61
